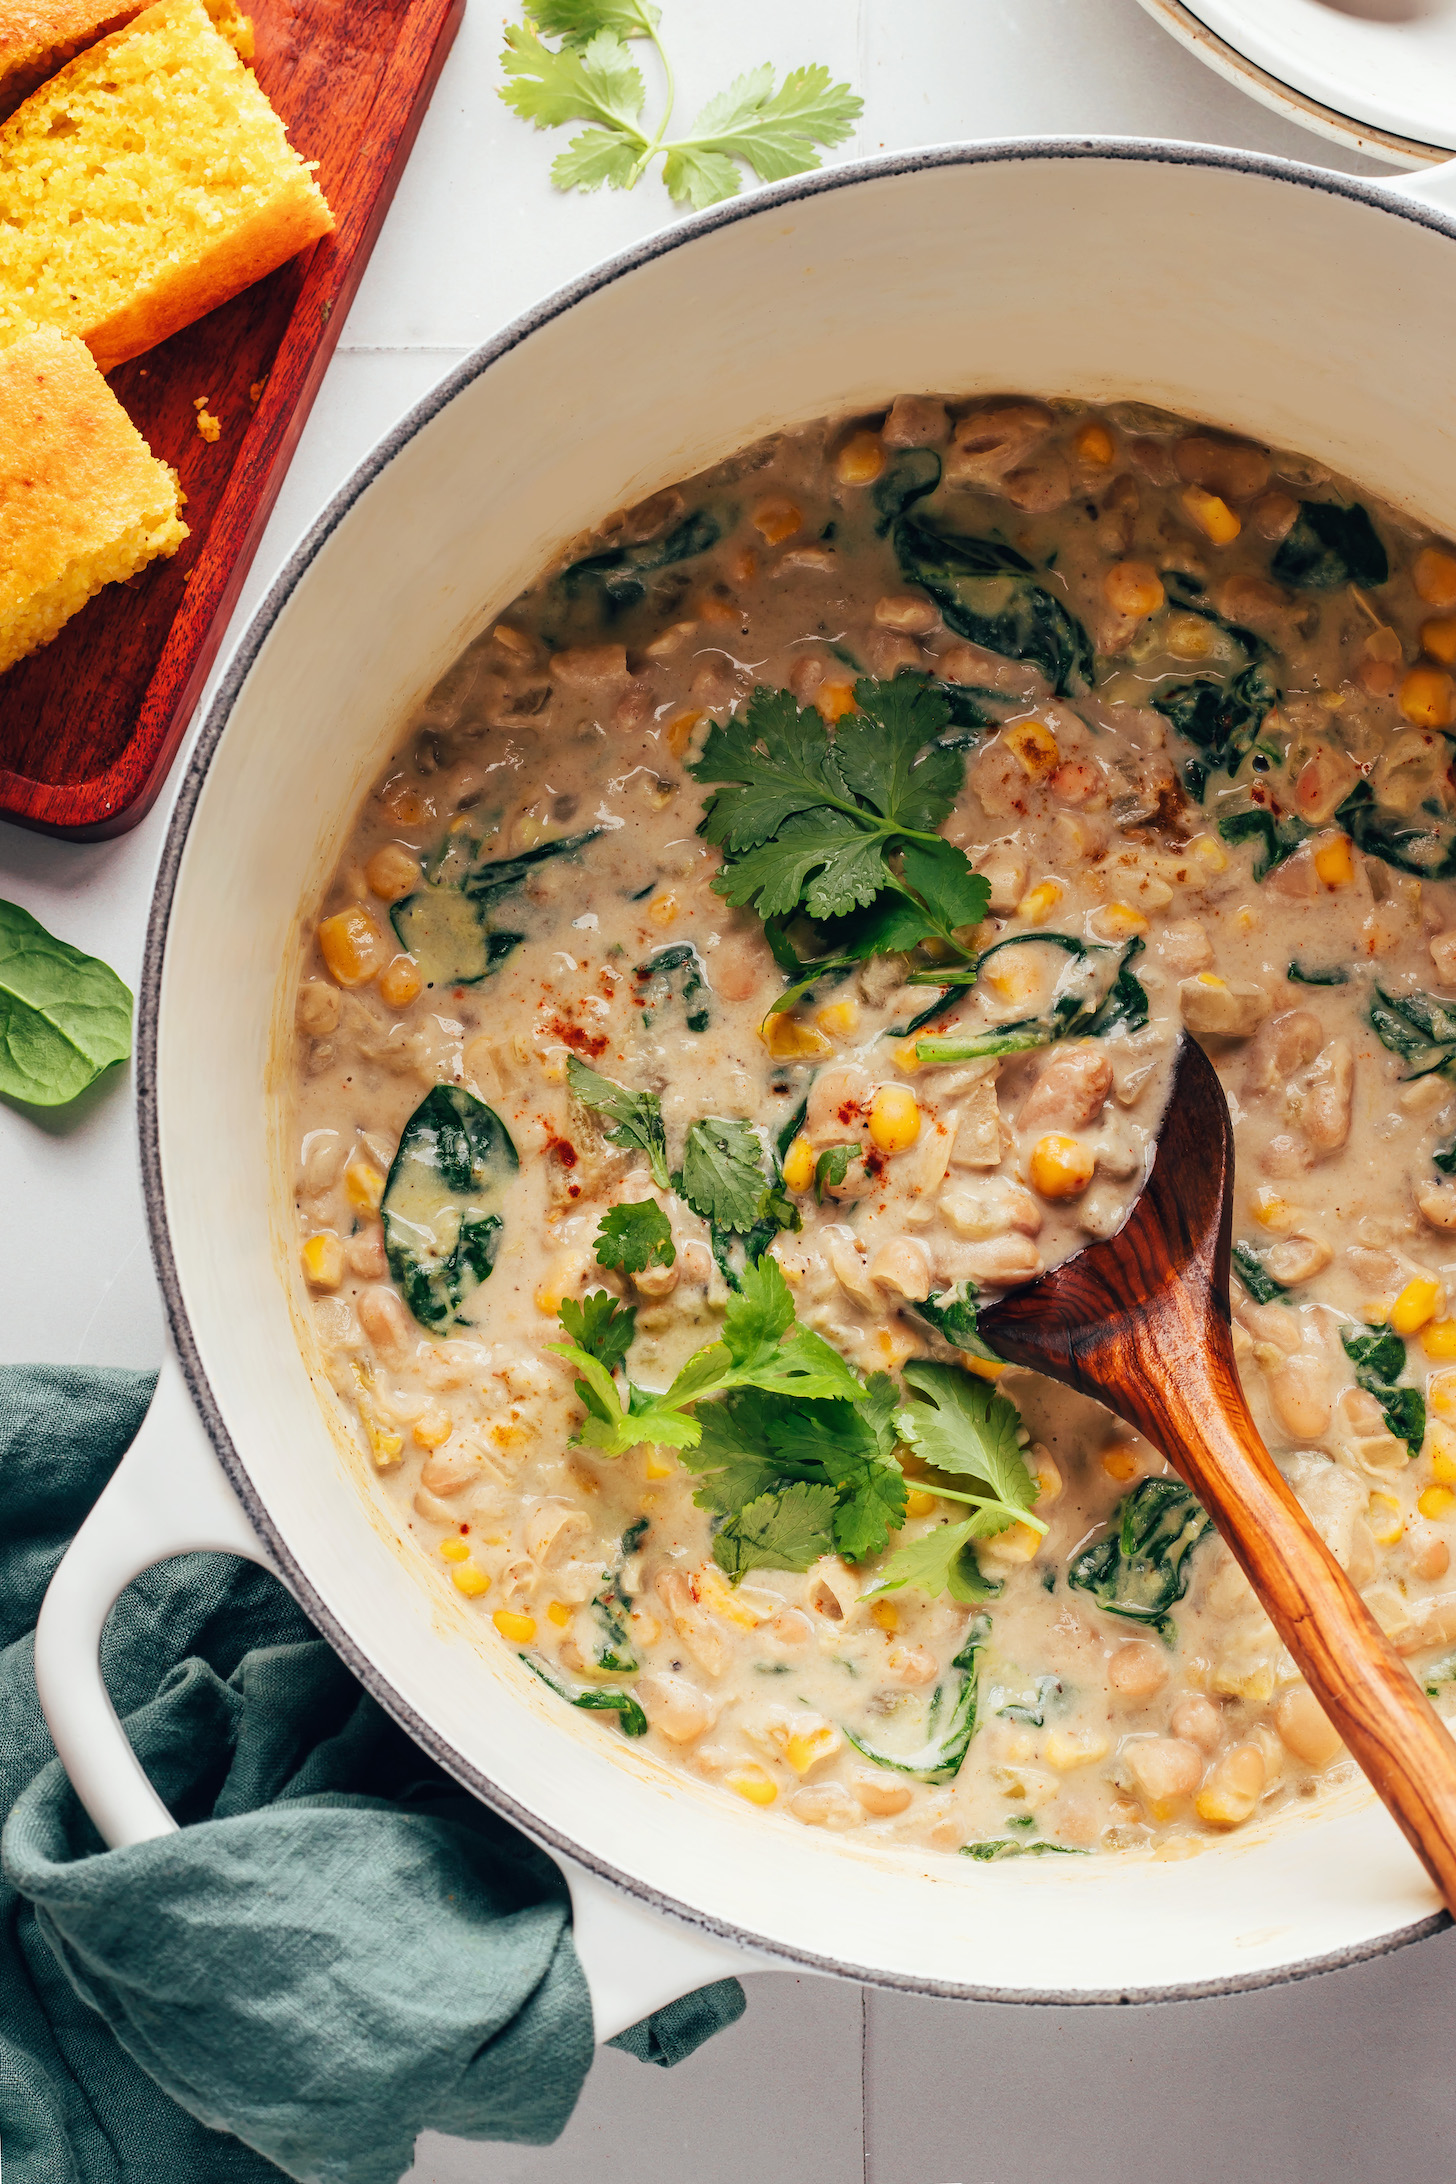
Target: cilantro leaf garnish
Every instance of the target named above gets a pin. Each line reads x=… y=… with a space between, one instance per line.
x=723 y=1177
x=762 y=1347
x=809 y=824
x=788 y=1529
x=637 y=1115
x=591 y=77
x=957 y=1423
x=601 y=1325
x=635 y=1237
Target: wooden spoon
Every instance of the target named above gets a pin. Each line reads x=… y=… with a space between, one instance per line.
x=1142 y=1322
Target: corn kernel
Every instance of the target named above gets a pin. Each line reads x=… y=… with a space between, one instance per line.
x=776 y=519
x=1211 y=978
x=918 y=1503
x=1214 y=517
x=1188 y=637
x=432 y=1429
x=400 y=982
x=660 y=1463
x=559 y=1613
x=454 y=1550
x=907 y=1056
x=1274 y=1212
x=790 y=1041
x=1018 y=1543
x=799 y=1164
x=1118 y=921
x=323 y=1260
x=560 y=1282
x=1434 y=575
x=1386 y=1522
x=832 y=700
x=1037 y=906
x=679 y=731
x=645 y=1628
x=713 y=1592
x=885 y=1616
x=802 y=1751
x=894 y=1118
x=363 y=1185
x=1120 y=1463
x=352 y=946
x=985 y=1368
x=1440 y=1452
x=662 y=909
x=1233 y=1788
x=1094 y=445
x=514 y=641
x=1013 y=978
x=392 y=871
x=1065 y=1749
x=721 y=612
x=519 y=1629
x=469 y=1578
x=1061 y=1166
x=743 y=568
x=1334 y=863
x=860 y=460
x=1441 y=1396
x=1438 y=638
x=1246 y=919
x=1418 y=1302
x=1210 y=852
x=753 y=1783
x=1435 y=1502
x=1427 y=697
x=1036 y=748
x=839 y=1019
x=401 y=801
x=529 y=831
x=1133 y=587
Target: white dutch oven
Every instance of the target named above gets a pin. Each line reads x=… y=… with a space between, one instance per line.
x=1303 y=308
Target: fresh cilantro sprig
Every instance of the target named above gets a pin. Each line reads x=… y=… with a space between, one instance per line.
x=958 y=1424
x=809 y=825
x=637 y=1115
x=600 y=1326
x=590 y=76
x=762 y=1346
x=635 y=1237
x=795 y=1480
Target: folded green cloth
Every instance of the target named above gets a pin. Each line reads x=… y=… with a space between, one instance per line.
x=339 y=1949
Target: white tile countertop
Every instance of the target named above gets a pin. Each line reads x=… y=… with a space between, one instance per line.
x=1334 y=2079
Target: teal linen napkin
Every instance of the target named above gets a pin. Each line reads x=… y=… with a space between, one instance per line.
x=338 y=1950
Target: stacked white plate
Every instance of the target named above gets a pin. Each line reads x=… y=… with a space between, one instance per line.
x=1377 y=75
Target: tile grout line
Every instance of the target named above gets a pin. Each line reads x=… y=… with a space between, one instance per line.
x=864 y=2085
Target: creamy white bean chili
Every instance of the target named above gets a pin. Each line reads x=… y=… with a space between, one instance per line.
x=769 y=941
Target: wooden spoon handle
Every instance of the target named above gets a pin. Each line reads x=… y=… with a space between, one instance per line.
x=1202 y=1423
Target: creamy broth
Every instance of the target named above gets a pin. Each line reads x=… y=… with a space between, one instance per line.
x=1183 y=706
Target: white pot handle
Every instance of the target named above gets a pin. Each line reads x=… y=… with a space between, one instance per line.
x=169 y=1496
x=1435 y=186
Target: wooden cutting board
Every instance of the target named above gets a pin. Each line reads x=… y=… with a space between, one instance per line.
x=90 y=724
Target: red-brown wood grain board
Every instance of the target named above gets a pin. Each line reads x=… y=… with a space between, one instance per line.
x=90 y=724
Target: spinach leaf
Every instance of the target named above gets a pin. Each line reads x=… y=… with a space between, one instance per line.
x=1426 y=848
x=1278 y=838
x=1378 y=1356
x=1299 y=976
x=989 y=595
x=682 y=967
x=908 y=478
x=1419 y=1027
x=636 y=1116
x=1139 y=1568
x=619 y=575
x=1096 y=993
x=1008 y=1846
x=832 y=1166
x=951 y=1723
x=1255 y=1276
x=446 y=924
x=601 y=1699
x=441 y=1206
x=1223 y=719
x=1439 y=1675
x=64 y=1016
x=613 y=1608
x=953 y=1315
x=1330 y=545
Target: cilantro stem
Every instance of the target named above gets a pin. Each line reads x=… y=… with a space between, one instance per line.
x=646 y=158
x=991 y=1501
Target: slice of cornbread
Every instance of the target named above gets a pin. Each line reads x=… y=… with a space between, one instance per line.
x=83 y=502
x=146 y=183
x=39 y=36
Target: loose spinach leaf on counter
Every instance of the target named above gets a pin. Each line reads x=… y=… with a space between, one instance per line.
x=1139 y=1568
x=1378 y=1356
x=601 y=1325
x=950 y=1722
x=64 y=1016
x=442 y=1203
x=636 y=1116
x=762 y=1346
x=988 y=594
x=635 y=1237
x=1330 y=545
x=592 y=77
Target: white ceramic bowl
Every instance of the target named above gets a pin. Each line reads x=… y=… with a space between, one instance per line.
x=1303 y=308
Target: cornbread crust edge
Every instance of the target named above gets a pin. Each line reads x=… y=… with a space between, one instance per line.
x=293 y=216
x=83 y=501
x=38 y=37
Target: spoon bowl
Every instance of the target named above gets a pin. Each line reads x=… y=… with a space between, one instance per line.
x=1141 y=1321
